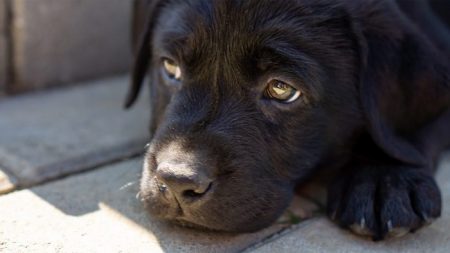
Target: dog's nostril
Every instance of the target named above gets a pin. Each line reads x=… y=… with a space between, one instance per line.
x=185 y=182
x=198 y=192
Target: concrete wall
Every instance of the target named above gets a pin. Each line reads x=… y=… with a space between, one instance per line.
x=63 y=41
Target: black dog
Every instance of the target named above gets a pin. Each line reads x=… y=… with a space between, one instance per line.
x=252 y=97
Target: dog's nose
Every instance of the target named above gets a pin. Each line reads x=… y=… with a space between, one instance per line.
x=186 y=182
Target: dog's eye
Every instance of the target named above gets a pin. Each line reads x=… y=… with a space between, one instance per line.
x=171 y=69
x=282 y=92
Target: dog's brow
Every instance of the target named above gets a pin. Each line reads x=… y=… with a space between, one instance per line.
x=173 y=42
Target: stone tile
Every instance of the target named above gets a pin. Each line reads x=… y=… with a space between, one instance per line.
x=47 y=135
x=65 y=41
x=98 y=212
x=320 y=235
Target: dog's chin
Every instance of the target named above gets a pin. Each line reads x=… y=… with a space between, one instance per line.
x=163 y=205
x=175 y=215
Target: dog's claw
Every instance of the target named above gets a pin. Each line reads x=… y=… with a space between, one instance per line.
x=363 y=223
x=395 y=232
x=426 y=219
x=361 y=228
x=389 y=226
x=138 y=196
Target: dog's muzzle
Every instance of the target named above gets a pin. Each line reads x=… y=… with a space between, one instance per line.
x=175 y=182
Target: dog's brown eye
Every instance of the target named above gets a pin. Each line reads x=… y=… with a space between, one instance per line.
x=172 y=69
x=282 y=92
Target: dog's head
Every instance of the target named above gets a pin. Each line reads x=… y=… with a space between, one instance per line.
x=248 y=98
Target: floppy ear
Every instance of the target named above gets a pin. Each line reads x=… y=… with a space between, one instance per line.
x=144 y=16
x=403 y=82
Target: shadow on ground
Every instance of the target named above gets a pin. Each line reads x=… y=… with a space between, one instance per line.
x=114 y=188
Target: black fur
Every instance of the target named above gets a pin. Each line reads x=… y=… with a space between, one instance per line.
x=375 y=105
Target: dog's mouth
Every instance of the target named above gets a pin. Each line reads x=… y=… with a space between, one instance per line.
x=223 y=206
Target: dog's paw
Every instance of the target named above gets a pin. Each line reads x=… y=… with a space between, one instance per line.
x=384 y=202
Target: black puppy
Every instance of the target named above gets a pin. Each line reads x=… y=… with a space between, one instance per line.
x=252 y=97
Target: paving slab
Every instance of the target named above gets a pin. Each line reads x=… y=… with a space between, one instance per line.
x=320 y=235
x=64 y=41
x=98 y=212
x=51 y=134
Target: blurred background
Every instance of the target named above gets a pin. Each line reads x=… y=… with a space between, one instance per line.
x=48 y=43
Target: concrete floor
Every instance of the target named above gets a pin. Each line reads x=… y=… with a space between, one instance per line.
x=70 y=159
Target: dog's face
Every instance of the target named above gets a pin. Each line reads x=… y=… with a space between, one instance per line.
x=251 y=96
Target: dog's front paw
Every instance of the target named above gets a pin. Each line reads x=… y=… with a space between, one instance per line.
x=380 y=202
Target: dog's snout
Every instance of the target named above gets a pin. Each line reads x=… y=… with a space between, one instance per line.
x=185 y=181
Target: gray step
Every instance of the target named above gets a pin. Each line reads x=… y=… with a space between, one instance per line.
x=57 y=42
x=51 y=134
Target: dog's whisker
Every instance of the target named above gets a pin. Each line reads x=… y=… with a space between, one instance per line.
x=127 y=185
x=138 y=195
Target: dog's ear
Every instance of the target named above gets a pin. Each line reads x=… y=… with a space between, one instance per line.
x=402 y=82
x=144 y=16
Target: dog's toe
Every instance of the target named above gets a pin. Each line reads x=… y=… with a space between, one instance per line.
x=426 y=199
x=396 y=213
x=351 y=203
